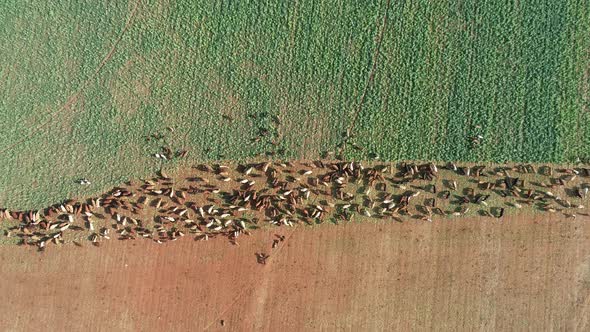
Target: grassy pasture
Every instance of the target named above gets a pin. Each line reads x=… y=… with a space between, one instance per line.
x=83 y=82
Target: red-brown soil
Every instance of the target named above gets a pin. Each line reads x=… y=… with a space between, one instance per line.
x=463 y=274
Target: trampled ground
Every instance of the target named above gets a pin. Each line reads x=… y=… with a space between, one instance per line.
x=449 y=275
x=83 y=83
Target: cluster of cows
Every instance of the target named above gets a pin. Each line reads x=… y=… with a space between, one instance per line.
x=220 y=200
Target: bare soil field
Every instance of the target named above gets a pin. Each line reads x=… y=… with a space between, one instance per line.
x=465 y=274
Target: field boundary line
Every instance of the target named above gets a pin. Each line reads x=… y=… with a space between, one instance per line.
x=81 y=88
x=371 y=77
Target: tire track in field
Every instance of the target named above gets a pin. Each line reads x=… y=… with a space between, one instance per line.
x=370 y=79
x=254 y=285
x=249 y=290
x=83 y=86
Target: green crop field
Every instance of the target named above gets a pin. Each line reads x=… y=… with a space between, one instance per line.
x=82 y=83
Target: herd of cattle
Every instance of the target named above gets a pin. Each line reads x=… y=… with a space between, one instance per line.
x=228 y=201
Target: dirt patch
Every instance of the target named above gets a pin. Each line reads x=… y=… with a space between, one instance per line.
x=62 y=124
x=222 y=96
x=311 y=128
x=128 y=91
x=73 y=97
x=254 y=70
x=74 y=107
x=467 y=274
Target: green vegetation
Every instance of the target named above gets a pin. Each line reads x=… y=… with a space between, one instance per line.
x=221 y=72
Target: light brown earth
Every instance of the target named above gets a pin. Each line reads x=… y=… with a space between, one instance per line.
x=465 y=274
